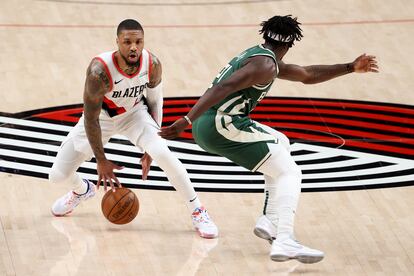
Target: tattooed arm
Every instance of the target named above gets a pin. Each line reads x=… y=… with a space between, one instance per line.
x=320 y=73
x=154 y=91
x=96 y=85
x=155 y=101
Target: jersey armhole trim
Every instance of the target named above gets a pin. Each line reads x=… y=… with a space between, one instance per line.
x=259 y=86
x=262 y=86
x=263 y=54
x=149 y=65
x=122 y=72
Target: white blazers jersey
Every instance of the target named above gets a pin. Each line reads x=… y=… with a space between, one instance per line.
x=126 y=91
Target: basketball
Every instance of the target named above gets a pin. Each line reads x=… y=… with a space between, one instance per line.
x=121 y=206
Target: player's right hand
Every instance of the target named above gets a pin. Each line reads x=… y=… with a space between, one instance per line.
x=146 y=161
x=173 y=130
x=106 y=174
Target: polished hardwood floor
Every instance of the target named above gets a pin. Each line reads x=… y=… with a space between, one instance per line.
x=45 y=48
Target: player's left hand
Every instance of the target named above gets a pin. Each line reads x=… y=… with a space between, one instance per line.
x=365 y=63
x=146 y=161
x=173 y=130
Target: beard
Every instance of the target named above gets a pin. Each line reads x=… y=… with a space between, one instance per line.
x=131 y=63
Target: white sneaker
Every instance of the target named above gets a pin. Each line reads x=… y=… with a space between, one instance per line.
x=68 y=202
x=203 y=224
x=291 y=249
x=265 y=229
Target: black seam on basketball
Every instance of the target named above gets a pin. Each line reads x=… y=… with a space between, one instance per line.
x=132 y=205
x=109 y=214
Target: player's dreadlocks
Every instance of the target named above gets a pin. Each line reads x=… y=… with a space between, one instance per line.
x=128 y=24
x=281 y=30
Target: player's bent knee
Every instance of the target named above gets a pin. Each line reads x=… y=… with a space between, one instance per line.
x=166 y=159
x=280 y=163
x=56 y=176
x=291 y=168
x=295 y=169
x=285 y=142
x=157 y=151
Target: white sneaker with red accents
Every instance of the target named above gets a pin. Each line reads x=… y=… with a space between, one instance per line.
x=65 y=204
x=265 y=229
x=203 y=224
x=291 y=249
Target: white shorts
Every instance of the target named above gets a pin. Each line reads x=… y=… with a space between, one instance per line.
x=137 y=125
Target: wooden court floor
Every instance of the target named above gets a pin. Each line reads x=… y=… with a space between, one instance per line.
x=45 y=47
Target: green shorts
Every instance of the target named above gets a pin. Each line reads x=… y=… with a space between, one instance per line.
x=237 y=138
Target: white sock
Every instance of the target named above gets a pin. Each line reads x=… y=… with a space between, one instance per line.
x=81 y=188
x=286 y=211
x=283 y=200
x=176 y=173
x=64 y=168
x=270 y=208
x=183 y=186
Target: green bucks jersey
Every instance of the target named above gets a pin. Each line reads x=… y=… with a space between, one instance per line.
x=227 y=130
x=244 y=101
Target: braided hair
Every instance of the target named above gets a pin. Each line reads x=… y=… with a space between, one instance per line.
x=281 y=31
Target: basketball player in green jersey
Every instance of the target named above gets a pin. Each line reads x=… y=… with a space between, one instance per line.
x=221 y=125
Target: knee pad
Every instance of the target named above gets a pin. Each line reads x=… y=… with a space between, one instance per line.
x=284 y=141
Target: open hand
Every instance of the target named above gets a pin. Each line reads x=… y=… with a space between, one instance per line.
x=173 y=130
x=146 y=161
x=365 y=63
x=106 y=174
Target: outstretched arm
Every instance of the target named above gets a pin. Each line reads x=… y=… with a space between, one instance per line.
x=257 y=70
x=320 y=73
x=96 y=85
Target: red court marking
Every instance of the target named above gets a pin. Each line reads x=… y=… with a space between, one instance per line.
x=61 y=115
x=317 y=103
x=345 y=122
x=356 y=114
x=312 y=111
x=349 y=142
x=180 y=101
x=342 y=131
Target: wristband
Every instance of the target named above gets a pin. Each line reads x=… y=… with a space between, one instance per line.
x=187 y=119
x=349 y=69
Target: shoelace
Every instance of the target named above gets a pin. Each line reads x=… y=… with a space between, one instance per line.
x=201 y=215
x=72 y=199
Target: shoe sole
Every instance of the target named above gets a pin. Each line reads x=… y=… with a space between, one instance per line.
x=206 y=236
x=61 y=215
x=67 y=213
x=305 y=259
x=263 y=234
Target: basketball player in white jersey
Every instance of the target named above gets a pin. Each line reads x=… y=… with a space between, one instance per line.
x=113 y=104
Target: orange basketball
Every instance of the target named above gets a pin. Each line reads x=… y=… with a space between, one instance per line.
x=121 y=206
